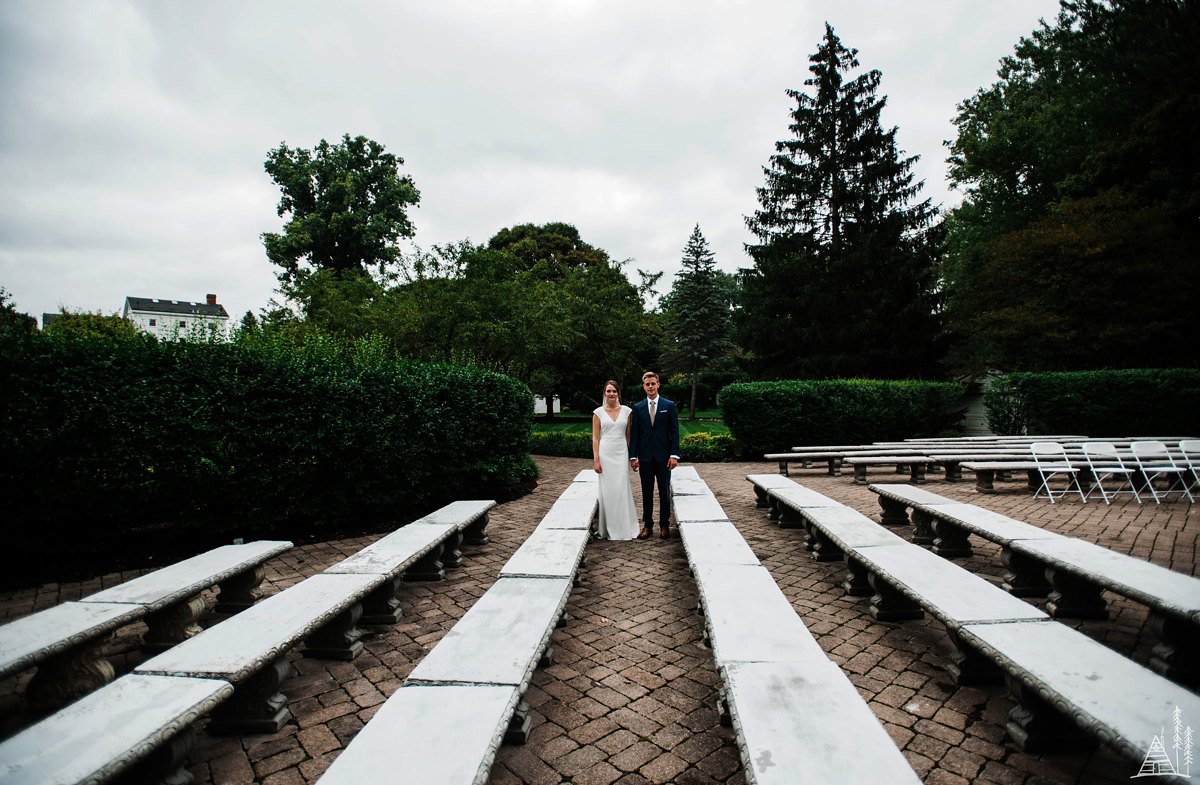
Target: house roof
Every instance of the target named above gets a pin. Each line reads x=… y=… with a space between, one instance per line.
x=150 y=305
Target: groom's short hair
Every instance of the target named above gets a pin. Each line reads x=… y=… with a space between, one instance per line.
x=649 y=375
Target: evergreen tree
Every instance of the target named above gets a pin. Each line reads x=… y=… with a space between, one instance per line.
x=698 y=326
x=842 y=283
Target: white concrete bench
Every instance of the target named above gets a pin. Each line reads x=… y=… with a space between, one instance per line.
x=834 y=458
x=1074 y=573
x=987 y=472
x=445 y=724
x=323 y=611
x=1065 y=685
x=241 y=659
x=913 y=465
x=66 y=642
x=113 y=733
x=777 y=681
x=1071 y=691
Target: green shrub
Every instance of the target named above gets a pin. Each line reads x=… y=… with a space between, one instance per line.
x=561 y=443
x=704 y=447
x=1139 y=402
x=769 y=417
x=99 y=432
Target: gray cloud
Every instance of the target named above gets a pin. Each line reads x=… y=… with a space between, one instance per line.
x=135 y=132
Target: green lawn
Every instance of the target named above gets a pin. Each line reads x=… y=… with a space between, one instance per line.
x=686 y=427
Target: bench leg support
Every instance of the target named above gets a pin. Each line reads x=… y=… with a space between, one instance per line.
x=916 y=474
x=173 y=625
x=951 y=541
x=1026 y=577
x=69 y=676
x=1036 y=726
x=338 y=639
x=761 y=500
x=723 y=710
x=381 y=605
x=888 y=604
x=776 y=510
x=835 y=467
x=789 y=518
x=825 y=549
x=860 y=474
x=1177 y=656
x=241 y=591
x=969 y=667
x=562 y=620
x=783 y=468
x=451 y=555
x=894 y=513
x=922 y=527
x=257 y=706
x=518 y=726
x=428 y=567
x=1073 y=597
x=547 y=658
x=856 y=582
x=476 y=531
x=985 y=480
x=163 y=766
x=953 y=471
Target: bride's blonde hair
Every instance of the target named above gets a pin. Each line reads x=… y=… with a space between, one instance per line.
x=611 y=383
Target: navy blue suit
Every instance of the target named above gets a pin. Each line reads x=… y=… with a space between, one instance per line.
x=653 y=445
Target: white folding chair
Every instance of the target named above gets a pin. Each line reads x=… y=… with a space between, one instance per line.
x=1105 y=462
x=1051 y=460
x=1190 y=450
x=1154 y=461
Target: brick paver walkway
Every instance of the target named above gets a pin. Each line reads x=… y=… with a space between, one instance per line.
x=630 y=698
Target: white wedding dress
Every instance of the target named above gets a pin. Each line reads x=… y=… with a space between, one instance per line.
x=618 y=518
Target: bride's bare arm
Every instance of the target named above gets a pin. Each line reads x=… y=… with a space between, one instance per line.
x=596 y=444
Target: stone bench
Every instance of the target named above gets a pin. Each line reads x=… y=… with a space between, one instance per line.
x=1071 y=572
x=952 y=461
x=463 y=700
x=138 y=728
x=987 y=472
x=66 y=642
x=778 y=685
x=834 y=458
x=998 y=636
x=915 y=465
x=322 y=611
x=1100 y=695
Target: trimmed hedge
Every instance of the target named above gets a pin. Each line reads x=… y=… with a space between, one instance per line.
x=767 y=417
x=695 y=448
x=1138 y=402
x=704 y=447
x=561 y=443
x=238 y=437
x=679 y=394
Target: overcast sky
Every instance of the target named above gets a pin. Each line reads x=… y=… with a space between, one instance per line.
x=134 y=133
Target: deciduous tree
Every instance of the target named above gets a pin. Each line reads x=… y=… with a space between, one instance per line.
x=348 y=207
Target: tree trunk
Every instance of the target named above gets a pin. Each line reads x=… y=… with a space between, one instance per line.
x=695 y=376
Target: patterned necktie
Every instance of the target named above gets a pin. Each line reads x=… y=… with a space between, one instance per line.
x=652 y=412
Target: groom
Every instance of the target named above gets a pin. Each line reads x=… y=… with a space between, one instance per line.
x=654 y=451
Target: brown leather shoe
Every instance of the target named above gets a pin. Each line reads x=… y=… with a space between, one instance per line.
x=645 y=534
x=665 y=533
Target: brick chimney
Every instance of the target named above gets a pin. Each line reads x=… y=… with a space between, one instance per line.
x=212 y=299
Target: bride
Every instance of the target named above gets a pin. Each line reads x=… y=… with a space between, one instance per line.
x=610 y=458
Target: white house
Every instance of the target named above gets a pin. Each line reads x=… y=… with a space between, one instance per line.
x=170 y=318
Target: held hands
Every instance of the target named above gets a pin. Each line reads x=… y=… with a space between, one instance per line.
x=596 y=466
x=634 y=464
x=671 y=464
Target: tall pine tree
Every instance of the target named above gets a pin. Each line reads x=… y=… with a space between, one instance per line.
x=698 y=316
x=842 y=283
